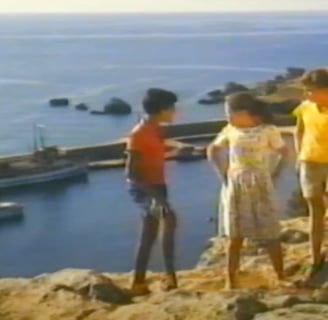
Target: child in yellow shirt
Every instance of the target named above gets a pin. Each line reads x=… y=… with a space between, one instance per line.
x=312 y=148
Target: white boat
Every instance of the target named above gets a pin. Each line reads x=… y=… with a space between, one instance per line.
x=47 y=164
x=10 y=211
x=25 y=174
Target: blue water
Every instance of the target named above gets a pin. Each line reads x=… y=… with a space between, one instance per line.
x=92 y=58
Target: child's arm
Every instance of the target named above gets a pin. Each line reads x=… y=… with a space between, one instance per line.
x=282 y=162
x=278 y=145
x=215 y=154
x=298 y=137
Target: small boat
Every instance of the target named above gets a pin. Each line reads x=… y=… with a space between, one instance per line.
x=47 y=164
x=10 y=211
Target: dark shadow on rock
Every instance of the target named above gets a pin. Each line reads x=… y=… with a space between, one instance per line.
x=246 y=307
x=320 y=279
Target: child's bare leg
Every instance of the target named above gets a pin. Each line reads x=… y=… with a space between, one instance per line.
x=276 y=257
x=317 y=215
x=233 y=255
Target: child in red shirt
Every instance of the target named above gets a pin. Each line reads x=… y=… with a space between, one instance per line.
x=146 y=176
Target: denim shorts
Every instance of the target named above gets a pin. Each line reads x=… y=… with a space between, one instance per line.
x=153 y=201
x=313 y=178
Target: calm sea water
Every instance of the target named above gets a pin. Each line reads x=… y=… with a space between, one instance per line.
x=92 y=58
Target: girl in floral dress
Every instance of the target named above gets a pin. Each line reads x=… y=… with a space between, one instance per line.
x=247 y=203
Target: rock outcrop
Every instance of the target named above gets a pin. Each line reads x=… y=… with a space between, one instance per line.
x=87 y=295
x=117 y=106
x=82 y=107
x=282 y=93
x=59 y=102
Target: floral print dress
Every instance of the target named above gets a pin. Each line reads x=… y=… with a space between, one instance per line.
x=247 y=204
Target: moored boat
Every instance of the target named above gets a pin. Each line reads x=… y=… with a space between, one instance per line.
x=10 y=211
x=46 y=164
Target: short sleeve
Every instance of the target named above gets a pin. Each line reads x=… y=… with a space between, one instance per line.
x=275 y=138
x=298 y=111
x=222 y=138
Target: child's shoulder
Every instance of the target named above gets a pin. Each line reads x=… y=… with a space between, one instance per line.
x=302 y=107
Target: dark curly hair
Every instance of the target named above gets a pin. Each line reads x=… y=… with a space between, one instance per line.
x=157 y=100
x=245 y=101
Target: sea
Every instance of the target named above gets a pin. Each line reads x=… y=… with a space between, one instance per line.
x=92 y=58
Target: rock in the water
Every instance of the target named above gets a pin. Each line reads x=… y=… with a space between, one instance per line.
x=293 y=72
x=117 y=106
x=246 y=308
x=97 y=112
x=291 y=236
x=215 y=93
x=82 y=107
x=233 y=87
x=59 y=102
x=212 y=100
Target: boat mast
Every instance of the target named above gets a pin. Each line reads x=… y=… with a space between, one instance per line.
x=35 y=138
x=38 y=137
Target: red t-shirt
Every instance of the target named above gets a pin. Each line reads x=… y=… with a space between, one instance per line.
x=147 y=141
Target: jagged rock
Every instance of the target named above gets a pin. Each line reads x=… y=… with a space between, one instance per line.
x=292 y=236
x=117 y=106
x=82 y=107
x=215 y=93
x=212 y=100
x=279 y=79
x=320 y=279
x=233 y=87
x=86 y=283
x=218 y=96
x=298 y=312
x=286 y=302
x=246 y=307
x=59 y=102
x=266 y=88
x=294 y=72
x=106 y=291
x=321 y=295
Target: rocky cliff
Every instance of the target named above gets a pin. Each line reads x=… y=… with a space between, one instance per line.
x=86 y=295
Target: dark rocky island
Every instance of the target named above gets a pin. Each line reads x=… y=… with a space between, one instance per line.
x=282 y=93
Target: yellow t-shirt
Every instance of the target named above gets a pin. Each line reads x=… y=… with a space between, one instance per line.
x=314 y=146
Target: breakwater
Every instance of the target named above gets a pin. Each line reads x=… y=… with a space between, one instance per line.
x=114 y=151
